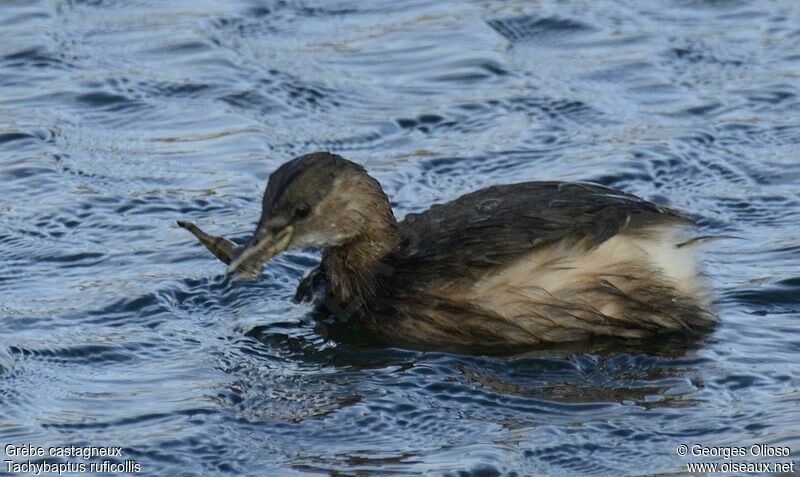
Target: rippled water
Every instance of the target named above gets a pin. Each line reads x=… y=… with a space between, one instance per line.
x=116 y=328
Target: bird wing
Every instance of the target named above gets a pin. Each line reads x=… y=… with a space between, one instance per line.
x=493 y=226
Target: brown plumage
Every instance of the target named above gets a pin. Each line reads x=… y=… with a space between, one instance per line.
x=518 y=264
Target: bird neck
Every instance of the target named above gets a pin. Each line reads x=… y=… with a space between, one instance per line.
x=354 y=270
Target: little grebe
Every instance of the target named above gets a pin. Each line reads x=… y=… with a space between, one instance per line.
x=517 y=264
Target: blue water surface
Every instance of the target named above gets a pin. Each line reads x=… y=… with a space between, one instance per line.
x=117 y=328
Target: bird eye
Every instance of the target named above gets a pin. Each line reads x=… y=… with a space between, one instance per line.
x=302 y=210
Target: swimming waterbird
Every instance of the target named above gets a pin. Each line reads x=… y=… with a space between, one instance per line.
x=516 y=264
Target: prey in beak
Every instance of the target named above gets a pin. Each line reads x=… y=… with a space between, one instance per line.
x=243 y=262
x=221 y=247
x=248 y=263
